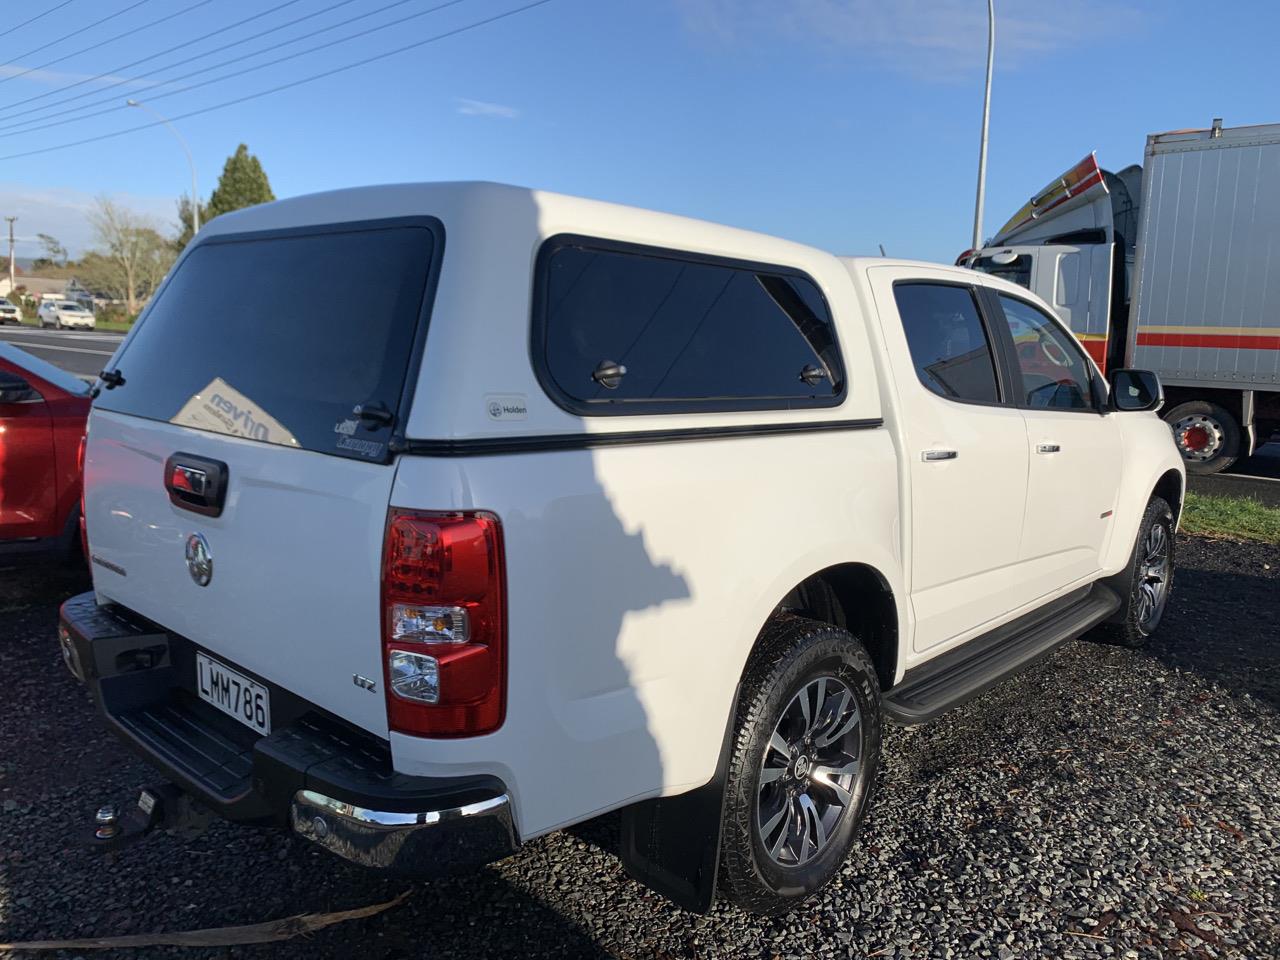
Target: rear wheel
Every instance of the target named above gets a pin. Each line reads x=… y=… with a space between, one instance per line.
x=1207 y=435
x=1146 y=583
x=805 y=755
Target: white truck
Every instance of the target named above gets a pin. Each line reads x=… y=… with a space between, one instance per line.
x=588 y=509
x=1171 y=268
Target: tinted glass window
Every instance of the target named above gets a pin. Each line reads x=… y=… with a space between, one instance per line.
x=702 y=334
x=948 y=344
x=1019 y=271
x=319 y=324
x=1054 y=371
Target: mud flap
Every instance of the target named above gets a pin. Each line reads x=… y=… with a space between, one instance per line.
x=672 y=844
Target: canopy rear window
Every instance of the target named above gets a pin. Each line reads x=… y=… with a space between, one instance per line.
x=282 y=337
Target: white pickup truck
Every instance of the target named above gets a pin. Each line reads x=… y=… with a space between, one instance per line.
x=479 y=511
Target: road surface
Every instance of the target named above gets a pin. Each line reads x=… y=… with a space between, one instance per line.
x=82 y=352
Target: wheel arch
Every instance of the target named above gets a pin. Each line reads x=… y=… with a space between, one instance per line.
x=856 y=597
x=1171 y=488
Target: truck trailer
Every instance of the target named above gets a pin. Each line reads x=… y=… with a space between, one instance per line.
x=1172 y=266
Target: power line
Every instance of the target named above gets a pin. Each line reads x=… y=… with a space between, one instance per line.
x=117 y=70
x=5 y=125
x=73 y=33
x=26 y=128
x=103 y=43
x=286 y=86
x=36 y=17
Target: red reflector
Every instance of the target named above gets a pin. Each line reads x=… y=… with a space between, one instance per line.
x=448 y=560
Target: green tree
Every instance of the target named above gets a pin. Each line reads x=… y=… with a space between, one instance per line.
x=185 y=226
x=55 y=254
x=243 y=184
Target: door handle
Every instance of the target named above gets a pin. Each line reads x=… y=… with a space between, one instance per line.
x=1047 y=448
x=931 y=455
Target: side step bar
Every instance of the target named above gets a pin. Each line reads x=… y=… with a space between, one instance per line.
x=959 y=675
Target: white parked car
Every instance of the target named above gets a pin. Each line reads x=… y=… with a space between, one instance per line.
x=607 y=509
x=64 y=313
x=9 y=312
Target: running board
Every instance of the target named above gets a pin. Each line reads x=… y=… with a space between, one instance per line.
x=959 y=675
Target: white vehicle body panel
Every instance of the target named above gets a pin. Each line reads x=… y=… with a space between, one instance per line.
x=629 y=624
x=296 y=552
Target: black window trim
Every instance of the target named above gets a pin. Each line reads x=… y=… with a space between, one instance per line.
x=585 y=408
x=398 y=439
x=999 y=360
x=1015 y=369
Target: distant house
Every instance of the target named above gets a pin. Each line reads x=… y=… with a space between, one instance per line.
x=38 y=288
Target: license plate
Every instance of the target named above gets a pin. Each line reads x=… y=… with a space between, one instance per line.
x=233 y=693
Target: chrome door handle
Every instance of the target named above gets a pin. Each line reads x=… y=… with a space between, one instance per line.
x=929 y=455
x=1047 y=448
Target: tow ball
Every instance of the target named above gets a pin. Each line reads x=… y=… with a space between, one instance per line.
x=114 y=829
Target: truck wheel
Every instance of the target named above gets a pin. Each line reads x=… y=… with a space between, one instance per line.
x=1146 y=581
x=805 y=753
x=1208 y=437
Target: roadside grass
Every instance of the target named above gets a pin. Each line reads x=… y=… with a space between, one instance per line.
x=1240 y=518
x=112 y=326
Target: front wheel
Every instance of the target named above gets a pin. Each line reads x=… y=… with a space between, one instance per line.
x=805 y=755
x=1146 y=583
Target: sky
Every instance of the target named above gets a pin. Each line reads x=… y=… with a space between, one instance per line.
x=846 y=124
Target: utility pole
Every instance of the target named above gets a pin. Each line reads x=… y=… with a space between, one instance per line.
x=986 y=114
x=12 y=276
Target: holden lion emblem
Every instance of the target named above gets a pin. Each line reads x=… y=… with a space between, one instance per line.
x=199 y=559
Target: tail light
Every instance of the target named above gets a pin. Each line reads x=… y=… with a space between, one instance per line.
x=84 y=533
x=444 y=632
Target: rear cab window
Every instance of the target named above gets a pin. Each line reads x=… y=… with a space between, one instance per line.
x=625 y=329
x=283 y=336
x=949 y=346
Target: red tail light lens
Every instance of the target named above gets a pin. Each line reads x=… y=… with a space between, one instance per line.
x=444 y=623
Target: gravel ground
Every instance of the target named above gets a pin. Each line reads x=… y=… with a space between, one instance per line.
x=1105 y=804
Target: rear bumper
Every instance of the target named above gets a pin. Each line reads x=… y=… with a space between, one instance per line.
x=329 y=783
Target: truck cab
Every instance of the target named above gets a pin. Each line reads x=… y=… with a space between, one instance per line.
x=1166 y=269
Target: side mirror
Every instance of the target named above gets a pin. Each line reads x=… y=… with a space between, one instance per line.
x=1133 y=390
x=13 y=389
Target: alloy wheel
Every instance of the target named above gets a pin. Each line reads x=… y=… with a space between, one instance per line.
x=1153 y=575
x=809 y=771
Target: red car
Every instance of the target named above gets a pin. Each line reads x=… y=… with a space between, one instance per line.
x=42 y=421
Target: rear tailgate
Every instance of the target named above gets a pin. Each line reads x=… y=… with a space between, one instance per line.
x=249 y=373
x=294 y=590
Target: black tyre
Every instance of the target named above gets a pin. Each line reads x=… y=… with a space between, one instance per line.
x=805 y=754
x=1146 y=582
x=1207 y=435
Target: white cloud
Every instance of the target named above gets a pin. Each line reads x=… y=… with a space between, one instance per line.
x=64 y=213
x=60 y=77
x=479 y=108
x=940 y=40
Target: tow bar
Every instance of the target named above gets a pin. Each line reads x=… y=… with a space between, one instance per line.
x=114 y=830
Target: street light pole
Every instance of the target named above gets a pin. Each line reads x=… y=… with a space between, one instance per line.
x=195 y=197
x=12 y=272
x=986 y=114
